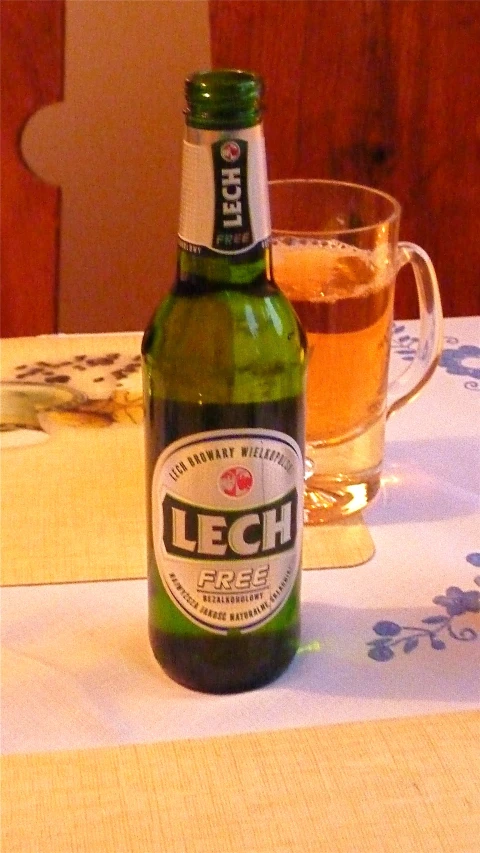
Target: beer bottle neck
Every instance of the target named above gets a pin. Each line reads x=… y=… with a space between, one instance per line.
x=224 y=229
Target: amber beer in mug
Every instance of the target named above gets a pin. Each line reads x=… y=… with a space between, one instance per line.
x=336 y=256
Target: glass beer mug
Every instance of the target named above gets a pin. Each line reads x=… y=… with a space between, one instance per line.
x=336 y=256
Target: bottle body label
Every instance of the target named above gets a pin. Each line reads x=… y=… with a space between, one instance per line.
x=227 y=514
x=224 y=198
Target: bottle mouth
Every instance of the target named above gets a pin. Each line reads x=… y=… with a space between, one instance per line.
x=227 y=98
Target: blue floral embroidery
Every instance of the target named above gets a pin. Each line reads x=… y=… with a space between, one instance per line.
x=454 y=362
x=456 y=602
x=403 y=345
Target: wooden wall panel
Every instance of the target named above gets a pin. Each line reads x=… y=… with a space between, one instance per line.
x=383 y=92
x=32 y=77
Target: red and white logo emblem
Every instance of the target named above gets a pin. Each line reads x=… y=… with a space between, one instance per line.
x=230 y=151
x=236 y=482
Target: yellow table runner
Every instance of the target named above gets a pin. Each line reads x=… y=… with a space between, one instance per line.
x=390 y=786
x=73 y=505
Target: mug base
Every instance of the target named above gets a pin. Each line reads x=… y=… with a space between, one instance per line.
x=328 y=500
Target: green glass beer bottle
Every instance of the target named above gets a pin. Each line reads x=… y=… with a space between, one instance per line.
x=224 y=376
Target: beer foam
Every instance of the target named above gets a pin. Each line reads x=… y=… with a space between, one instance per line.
x=327 y=270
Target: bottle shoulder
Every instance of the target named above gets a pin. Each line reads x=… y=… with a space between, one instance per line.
x=226 y=345
x=254 y=312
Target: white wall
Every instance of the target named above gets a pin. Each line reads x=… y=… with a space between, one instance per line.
x=114 y=147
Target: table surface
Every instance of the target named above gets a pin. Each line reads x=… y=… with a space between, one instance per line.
x=369 y=742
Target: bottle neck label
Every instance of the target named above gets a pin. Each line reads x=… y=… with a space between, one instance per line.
x=224 y=206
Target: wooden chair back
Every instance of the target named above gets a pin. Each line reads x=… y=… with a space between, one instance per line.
x=375 y=92
x=31 y=77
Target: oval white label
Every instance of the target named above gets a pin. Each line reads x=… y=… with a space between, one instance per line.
x=227 y=511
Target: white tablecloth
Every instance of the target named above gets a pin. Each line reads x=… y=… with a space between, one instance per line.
x=397 y=636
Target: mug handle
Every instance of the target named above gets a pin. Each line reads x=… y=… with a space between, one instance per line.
x=406 y=386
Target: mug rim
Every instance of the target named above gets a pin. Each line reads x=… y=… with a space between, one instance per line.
x=387 y=220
